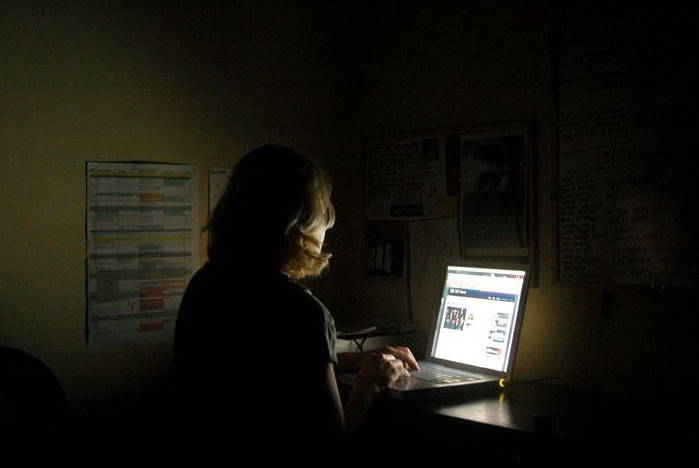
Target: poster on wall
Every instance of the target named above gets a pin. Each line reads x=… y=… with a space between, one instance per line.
x=142 y=248
x=495 y=191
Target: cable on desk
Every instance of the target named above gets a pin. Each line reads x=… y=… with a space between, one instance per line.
x=543 y=380
x=392 y=327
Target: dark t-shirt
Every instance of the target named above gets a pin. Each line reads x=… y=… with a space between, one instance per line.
x=249 y=358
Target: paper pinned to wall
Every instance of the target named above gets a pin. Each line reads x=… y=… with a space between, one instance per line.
x=218 y=179
x=142 y=248
x=431 y=243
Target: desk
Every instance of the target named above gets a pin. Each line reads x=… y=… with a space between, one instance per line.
x=535 y=422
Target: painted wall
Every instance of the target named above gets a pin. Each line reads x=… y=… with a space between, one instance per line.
x=205 y=82
x=119 y=81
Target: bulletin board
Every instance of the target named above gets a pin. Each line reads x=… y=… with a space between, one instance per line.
x=627 y=151
x=481 y=177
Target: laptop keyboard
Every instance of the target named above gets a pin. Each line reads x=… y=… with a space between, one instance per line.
x=440 y=376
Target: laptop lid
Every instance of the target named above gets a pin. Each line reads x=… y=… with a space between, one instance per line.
x=477 y=324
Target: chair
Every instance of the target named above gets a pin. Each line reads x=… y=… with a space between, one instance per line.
x=34 y=410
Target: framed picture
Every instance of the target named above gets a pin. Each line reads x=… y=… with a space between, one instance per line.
x=495 y=186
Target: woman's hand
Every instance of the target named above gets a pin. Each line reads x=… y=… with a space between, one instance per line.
x=351 y=361
x=402 y=353
x=380 y=369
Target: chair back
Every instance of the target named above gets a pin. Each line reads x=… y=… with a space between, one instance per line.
x=34 y=409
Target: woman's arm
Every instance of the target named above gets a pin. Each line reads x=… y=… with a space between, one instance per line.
x=377 y=371
x=338 y=418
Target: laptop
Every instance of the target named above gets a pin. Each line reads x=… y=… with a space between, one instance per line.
x=473 y=343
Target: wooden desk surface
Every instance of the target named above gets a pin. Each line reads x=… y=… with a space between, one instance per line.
x=547 y=409
x=538 y=422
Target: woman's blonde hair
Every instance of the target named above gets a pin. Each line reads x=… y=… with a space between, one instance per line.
x=270 y=215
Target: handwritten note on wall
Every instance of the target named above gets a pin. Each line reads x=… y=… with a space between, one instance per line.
x=628 y=153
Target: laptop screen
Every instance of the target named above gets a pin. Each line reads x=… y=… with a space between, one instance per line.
x=480 y=315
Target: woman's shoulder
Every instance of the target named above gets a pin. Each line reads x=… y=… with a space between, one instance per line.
x=299 y=298
x=249 y=287
x=299 y=292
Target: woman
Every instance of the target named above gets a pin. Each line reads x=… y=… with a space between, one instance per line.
x=254 y=354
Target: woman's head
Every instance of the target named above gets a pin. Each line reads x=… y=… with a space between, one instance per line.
x=273 y=214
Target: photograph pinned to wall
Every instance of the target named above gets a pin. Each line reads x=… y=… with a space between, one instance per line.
x=495 y=183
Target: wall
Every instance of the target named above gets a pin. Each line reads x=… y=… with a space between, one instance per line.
x=205 y=82
x=440 y=65
x=196 y=83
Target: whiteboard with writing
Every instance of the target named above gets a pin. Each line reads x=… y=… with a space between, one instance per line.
x=627 y=142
